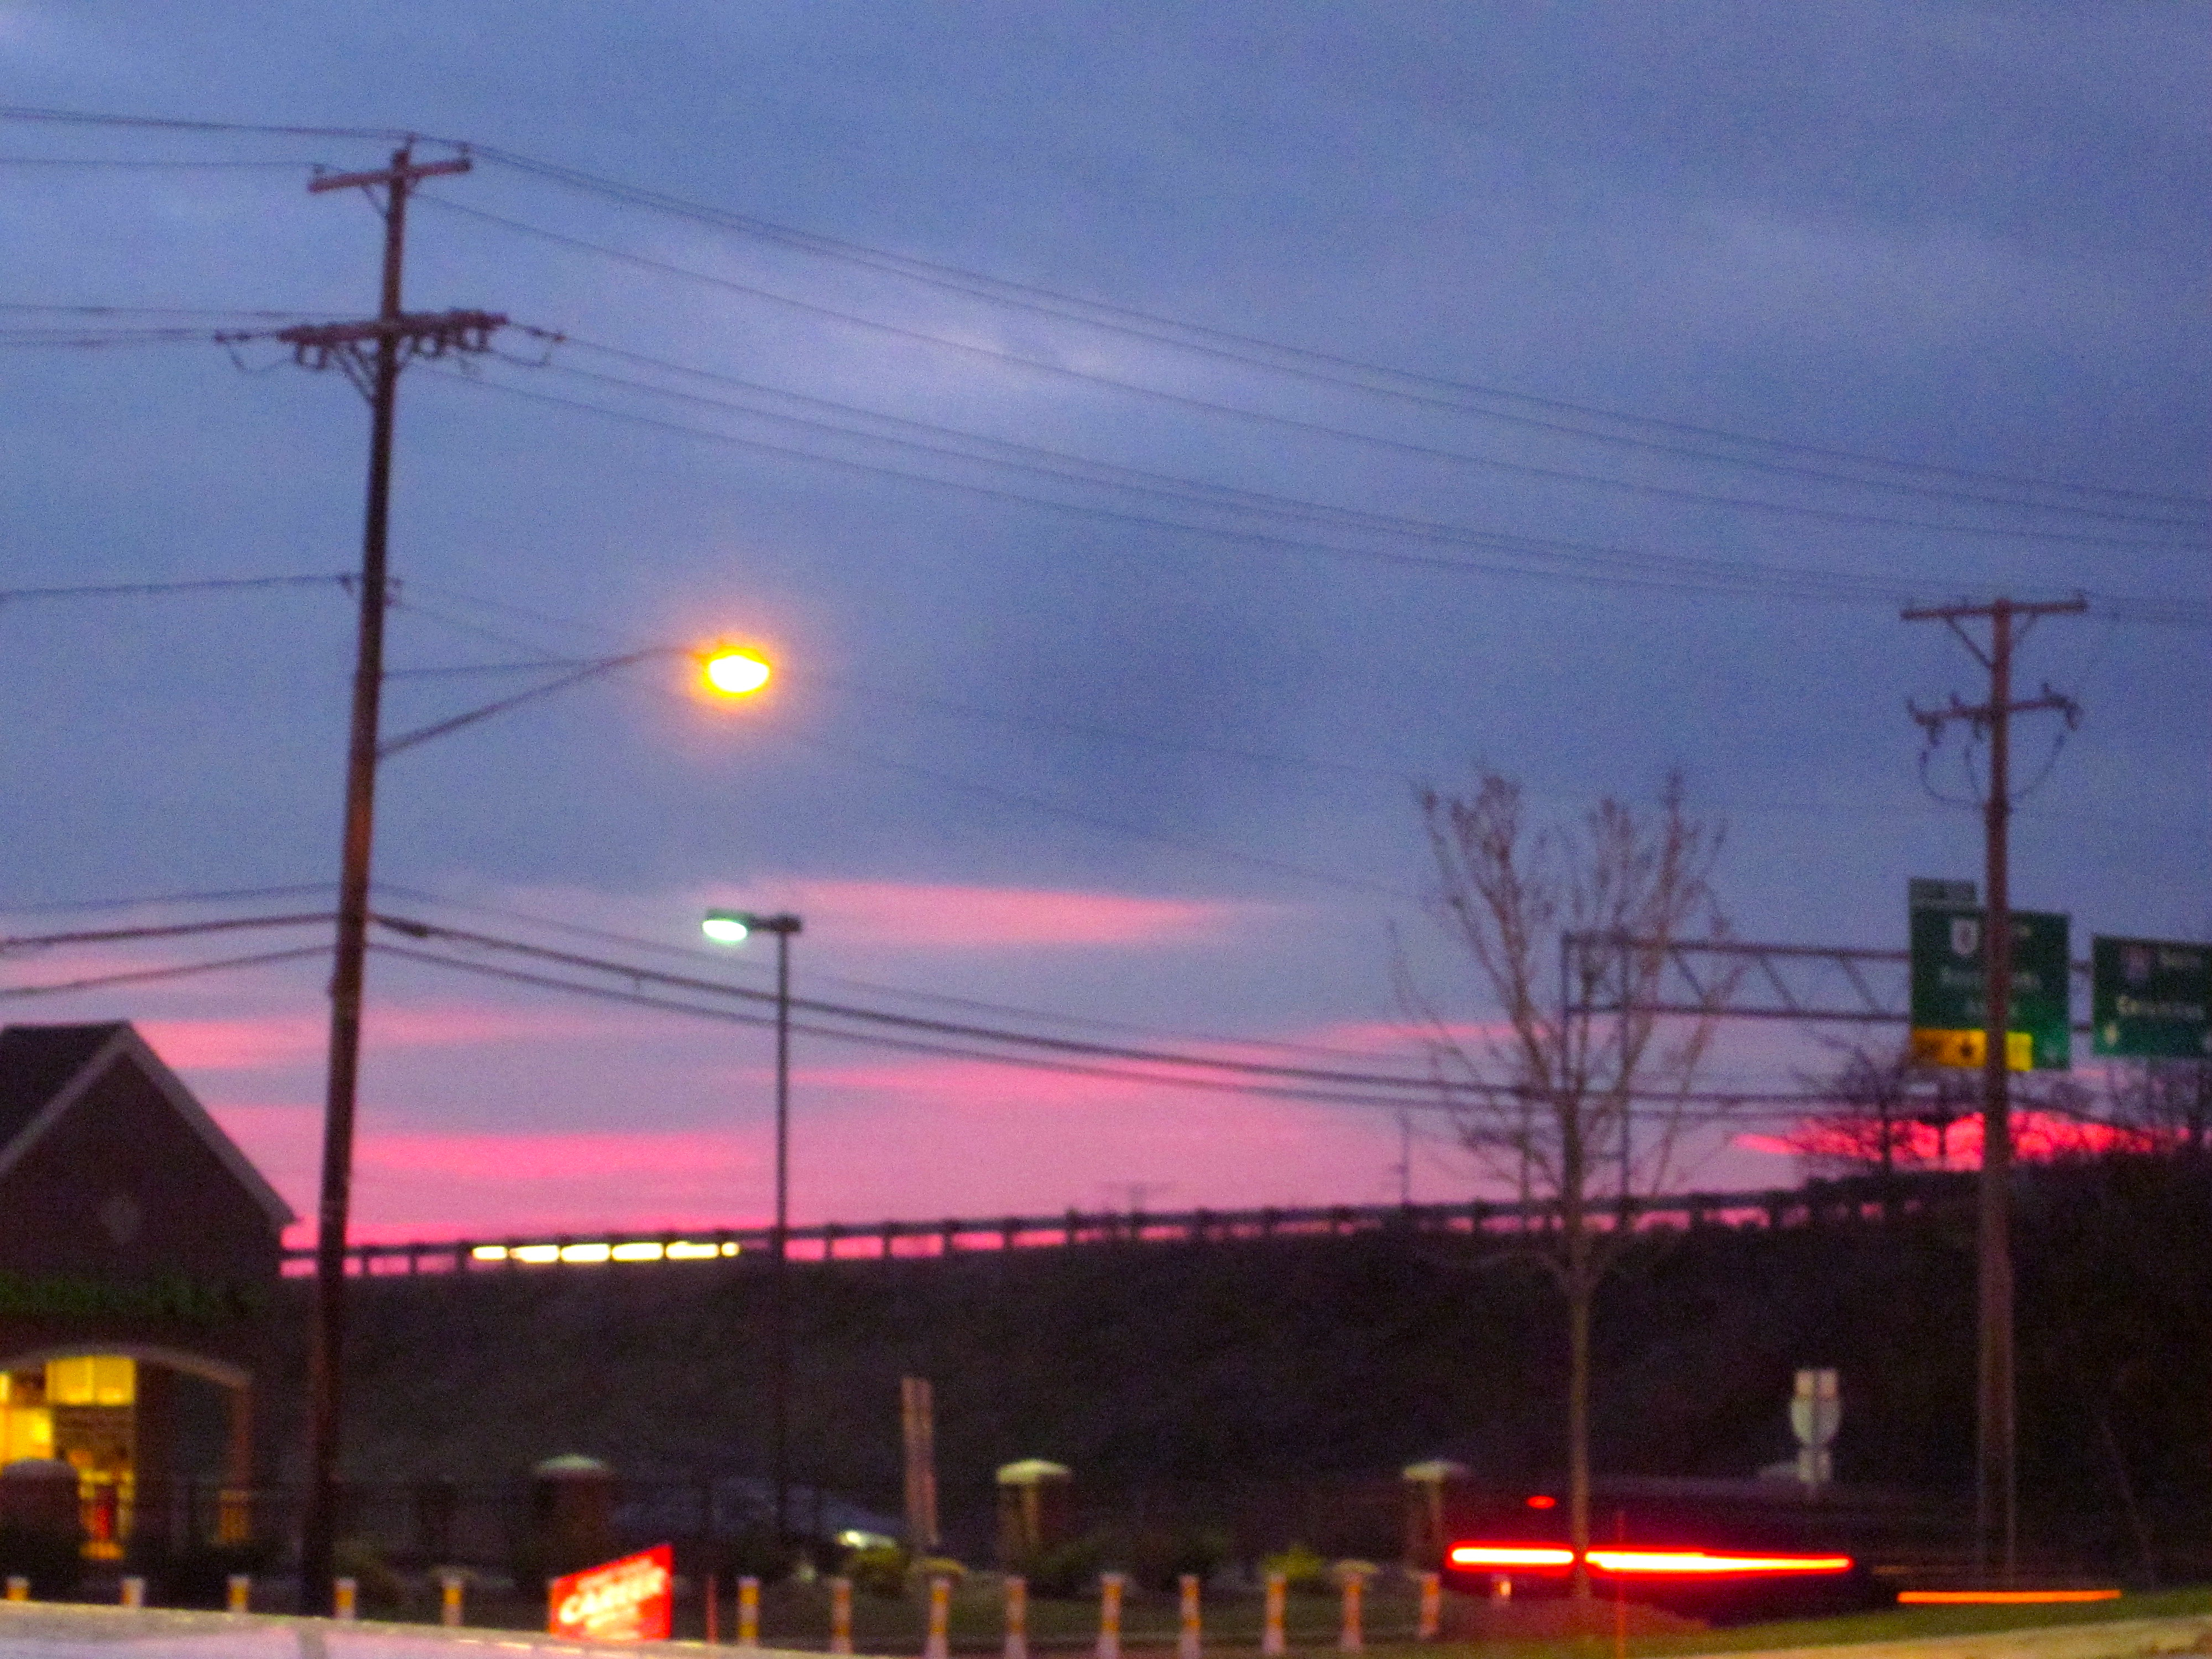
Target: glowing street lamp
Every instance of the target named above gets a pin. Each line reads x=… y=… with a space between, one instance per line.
x=735 y=672
x=735 y=927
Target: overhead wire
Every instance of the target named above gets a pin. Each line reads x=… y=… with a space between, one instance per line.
x=1053 y=463
x=1212 y=340
x=1748 y=580
x=1185 y=334
x=1292 y=422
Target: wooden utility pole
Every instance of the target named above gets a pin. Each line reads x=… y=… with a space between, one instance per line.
x=918 y=1425
x=371 y=355
x=1997 y=1463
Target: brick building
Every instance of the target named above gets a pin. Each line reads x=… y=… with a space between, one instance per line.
x=139 y=1256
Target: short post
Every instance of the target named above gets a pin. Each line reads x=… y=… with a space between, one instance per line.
x=939 y=1644
x=841 y=1616
x=1501 y=1589
x=1432 y=1608
x=345 y=1598
x=1110 y=1585
x=134 y=1592
x=449 y=1598
x=748 y=1612
x=1351 y=1635
x=19 y=1587
x=1017 y=1617
x=713 y=1608
x=239 y=1592
x=1190 y=1637
x=1272 y=1640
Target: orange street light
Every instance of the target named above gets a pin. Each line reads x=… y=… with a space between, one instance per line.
x=734 y=671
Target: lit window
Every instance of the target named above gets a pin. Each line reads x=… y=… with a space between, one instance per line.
x=684 y=1250
x=489 y=1252
x=92 y=1380
x=536 y=1253
x=637 y=1253
x=584 y=1252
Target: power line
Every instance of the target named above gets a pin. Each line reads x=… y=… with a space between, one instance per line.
x=206 y=585
x=148 y=976
x=1717 y=1106
x=1292 y=422
x=59 y=906
x=133 y=165
x=1098 y=314
x=1230 y=498
x=1745 y=579
x=89 y=118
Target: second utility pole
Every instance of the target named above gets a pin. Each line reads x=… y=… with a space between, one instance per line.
x=371 y=355
x=1996 y=1461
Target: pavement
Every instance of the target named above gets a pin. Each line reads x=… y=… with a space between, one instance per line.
x=60 y=1629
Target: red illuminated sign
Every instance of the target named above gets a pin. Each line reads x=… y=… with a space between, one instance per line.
x=625 y=1600
x=1550 y=1558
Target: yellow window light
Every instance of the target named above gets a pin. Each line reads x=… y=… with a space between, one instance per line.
x=535 y=1253
x=92 y=1380
x=684 y=1250
x=586 y=1252
x=637 y=1253
x=488 y=1253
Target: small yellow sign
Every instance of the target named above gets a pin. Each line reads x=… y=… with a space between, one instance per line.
x=1964 y=1050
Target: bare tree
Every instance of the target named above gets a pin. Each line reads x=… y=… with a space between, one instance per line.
x=1882 y=1098
x=1581 y=1113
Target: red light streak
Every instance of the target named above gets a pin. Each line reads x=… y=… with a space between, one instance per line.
x=1511 y=1555
x=1541 y=1502
x=1637 y=1563
x=1705 y=1563
x=2002 y=1598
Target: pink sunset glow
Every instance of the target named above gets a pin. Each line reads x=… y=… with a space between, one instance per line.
x=2036 y=1134
x=920 y=915
x=279 y=1040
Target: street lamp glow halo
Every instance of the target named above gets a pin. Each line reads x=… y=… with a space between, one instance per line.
x=735 y=671
x=728 y=926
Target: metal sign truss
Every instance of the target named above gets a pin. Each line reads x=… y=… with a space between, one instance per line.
x=1733 y=979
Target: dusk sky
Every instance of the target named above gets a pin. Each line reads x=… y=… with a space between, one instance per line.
x=1204 y=422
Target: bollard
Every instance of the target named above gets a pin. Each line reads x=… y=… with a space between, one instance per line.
x=1191 y=1638
x=1501 y=1589
x=713 y=1608
x=19 y=1587
x=1352 y=1637
x=449 y=1599
x=748 y=1612
x=1432 y=1608
x=240 y=1592
x=134 y=1592
x=1017 y=1617
x=1272 y=1639
x=841 y=1616
x=1110 y=1585
x=345 y=1598
x=938 y=1643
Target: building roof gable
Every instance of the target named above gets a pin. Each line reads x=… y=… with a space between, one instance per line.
x=46 y=1069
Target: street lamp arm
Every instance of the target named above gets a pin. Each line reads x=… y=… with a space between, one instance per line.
x=590 y=671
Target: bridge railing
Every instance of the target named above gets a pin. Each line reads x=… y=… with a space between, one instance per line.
x=1813 y=1204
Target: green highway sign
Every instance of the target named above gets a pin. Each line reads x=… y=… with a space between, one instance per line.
x=2150 y=999
x=1949 y=1011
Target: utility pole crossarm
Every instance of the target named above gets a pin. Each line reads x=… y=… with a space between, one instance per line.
x=403 y=171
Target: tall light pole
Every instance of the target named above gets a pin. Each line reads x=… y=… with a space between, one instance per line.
x=734 y=927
